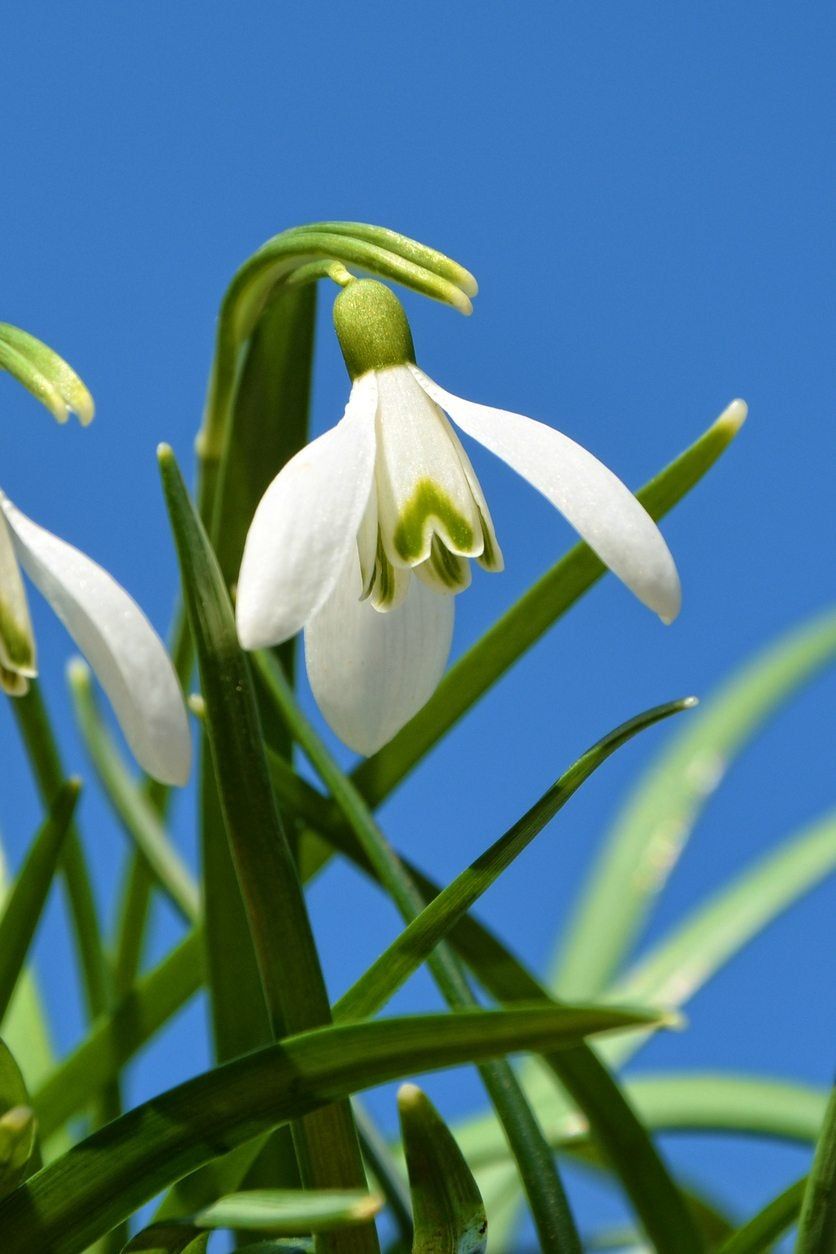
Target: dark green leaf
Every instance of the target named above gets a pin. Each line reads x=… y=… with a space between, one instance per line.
x=168 y=1239
x=817 y=1225
x=762 y=1230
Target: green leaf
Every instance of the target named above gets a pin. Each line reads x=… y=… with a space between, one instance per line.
x=621 y=1134
x=649 y=836
x=538 y=1171
x=116 y=1036
x=523 y=625
x=447 y=1207
x=289 y=1212
x=46 y=375
x=817 y=1225
x=24 y=904
x=681 y=963
x=168 y=1239
x=105 y=1178
x=677 y=1101
x=291 y=977
x=768 y=1225
x=137 y=815
x=403 y=956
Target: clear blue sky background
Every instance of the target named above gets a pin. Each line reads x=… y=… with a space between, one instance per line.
x=640 y=189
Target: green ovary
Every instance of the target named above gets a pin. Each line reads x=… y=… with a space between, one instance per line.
x=429 y=507
x=15 y=643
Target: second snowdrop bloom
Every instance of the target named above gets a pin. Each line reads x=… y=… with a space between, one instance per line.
x=108 y=626
x=366 y=534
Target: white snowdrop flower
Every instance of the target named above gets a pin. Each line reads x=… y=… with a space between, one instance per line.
x=108 y=626
x=365 y=534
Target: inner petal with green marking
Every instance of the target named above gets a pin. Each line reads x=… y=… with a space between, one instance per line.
x=17 y=645
x=428 y=512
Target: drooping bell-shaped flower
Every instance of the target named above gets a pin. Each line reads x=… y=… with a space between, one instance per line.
x=365 y=534
x=108 y=626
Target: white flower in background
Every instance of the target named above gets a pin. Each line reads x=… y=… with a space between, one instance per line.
x=364 y=535
x=120 y=644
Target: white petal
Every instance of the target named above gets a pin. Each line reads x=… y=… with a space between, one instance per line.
x=305 y=525
x=17 y=644
x=371 y=672
x=597 y=504
x=422 y=488
x=120 y=644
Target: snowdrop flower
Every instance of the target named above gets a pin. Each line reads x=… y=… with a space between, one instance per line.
x=110 y=629
x=366 y=533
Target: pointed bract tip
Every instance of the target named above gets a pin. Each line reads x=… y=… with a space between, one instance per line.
x=673 y=1020
x=733 y=416
x=367 y=1207
x=165 y=453
x=409 y=1096
x=688 y=703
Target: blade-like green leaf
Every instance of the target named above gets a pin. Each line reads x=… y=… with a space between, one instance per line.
x=117 y=1035
x=385 y=1171
x=647 y=839
x=817 y=1225
x=526 y=621
x=620 y=1133
x=135 y=812
x=538 y=1171
x=678 y=1101
x=168 y=1239
x=46 y=375
x=403 y=956
x=289 y=1212
x=447 y=1207
x=105 y=1178
x=762 y=1230
x=680 y=964
x=23 y=907
x=291 y=977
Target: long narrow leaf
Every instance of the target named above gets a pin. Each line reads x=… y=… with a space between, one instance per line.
x=817 y=1225
x=289 y=1212
x=23 y=907
x=646 y=841
x=105 y=1178
x=133 y=809
x=768 y=1225
x=416 y=942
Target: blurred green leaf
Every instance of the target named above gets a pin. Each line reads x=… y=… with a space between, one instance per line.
x=447 y=1208
x=289 y=1212
x=17 y=1123
x=416 y=942
x=136 y=814
x=817 y=1225
x=522 y=625
x=647 y=839
x=168 y=1239
x=46 y=375
x=768 y=1225
x=24 y=904
x=106 y=1177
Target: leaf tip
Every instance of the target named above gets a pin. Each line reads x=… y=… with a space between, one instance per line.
x=733 y=417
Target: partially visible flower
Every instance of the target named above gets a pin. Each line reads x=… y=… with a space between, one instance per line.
x=364 y=535
x=108 y=626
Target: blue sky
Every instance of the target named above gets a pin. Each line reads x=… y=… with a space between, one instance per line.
x=641 y=191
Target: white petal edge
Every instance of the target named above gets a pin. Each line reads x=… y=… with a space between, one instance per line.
x=123 y=649
x=371 y=672
x=305 y=525
x=598 y=505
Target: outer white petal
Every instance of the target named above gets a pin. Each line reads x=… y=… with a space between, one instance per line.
x=371 y=672
x=305 y=525
x=120 y=644
x=597 y=504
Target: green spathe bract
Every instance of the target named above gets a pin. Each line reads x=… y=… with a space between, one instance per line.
x=372 y=328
